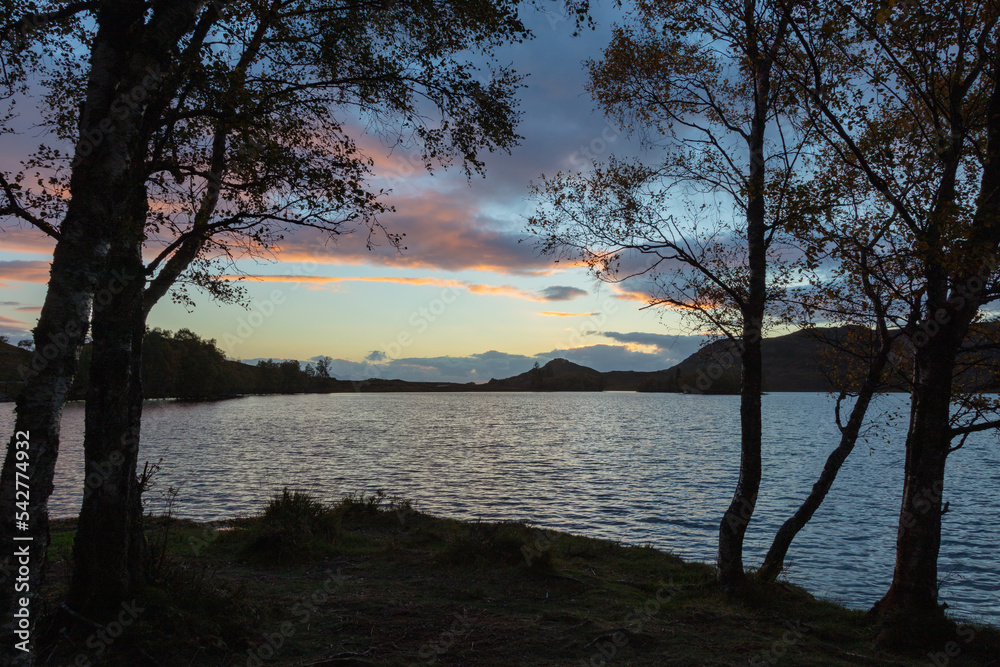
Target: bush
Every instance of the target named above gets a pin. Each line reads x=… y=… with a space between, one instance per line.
x=294 y=527
x=375 y=509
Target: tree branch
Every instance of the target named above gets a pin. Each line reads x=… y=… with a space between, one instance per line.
x=15 y=209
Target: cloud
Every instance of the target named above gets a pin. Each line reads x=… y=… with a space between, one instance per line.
x=551 y=313
x=24 y=271
x=676 y=346
x=376 y=356
x=10 y=303
x=494 y=364
x=447 y=230
x=630 y=291
x=29 y=309
x=25 y=240
x=474 y=288
x=11 y=327
x=561 y=293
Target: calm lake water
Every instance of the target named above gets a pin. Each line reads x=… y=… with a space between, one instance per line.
x=640 y=468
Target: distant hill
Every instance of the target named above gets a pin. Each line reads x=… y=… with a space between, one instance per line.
x=182 y=365
x=11 y=358
x=800 y=361
x=557 y=375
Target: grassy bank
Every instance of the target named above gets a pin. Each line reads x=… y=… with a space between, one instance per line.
x=371 y=582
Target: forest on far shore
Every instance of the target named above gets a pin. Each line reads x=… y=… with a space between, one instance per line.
x=183 y=365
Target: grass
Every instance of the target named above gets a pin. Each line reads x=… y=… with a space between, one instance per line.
x=370 y=581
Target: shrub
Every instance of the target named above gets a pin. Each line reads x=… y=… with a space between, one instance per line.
x=294 y=527
x=377 y=508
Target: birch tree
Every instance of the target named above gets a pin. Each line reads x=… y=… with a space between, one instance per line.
x=906 y=95
x=205 y=130
x=694 y=79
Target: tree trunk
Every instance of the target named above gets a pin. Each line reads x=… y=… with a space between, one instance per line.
x=734 y=523
x=910 y=607
x=911 y=603
x=737 y=516
x=109 y=545
x=101 y=162
x=59 y=336
x=774 y=562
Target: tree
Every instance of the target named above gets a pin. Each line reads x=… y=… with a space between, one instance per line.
x=855 y=296
x=208 y=129
x=907 y=95
x=94 y=211
x=323 y=365
x=695 y=79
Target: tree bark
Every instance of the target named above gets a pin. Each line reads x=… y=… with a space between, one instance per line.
x=77 y=263
x=59 y=336
x=912 y=599
x=733 y=526
x=910 y=607
x=109 y=545
x=103 y=159
x=734 y=523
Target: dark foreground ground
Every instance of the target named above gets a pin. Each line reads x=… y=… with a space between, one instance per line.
x=372 y=582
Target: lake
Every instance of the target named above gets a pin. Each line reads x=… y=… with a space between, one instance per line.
x=640 y=468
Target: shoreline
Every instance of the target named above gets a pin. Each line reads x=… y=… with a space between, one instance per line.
x=392 y=586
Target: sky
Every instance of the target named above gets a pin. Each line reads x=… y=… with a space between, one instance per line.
x=470 y=298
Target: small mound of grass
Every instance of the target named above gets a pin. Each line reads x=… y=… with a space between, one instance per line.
x=374 y=509
x=504 y=542
x=293 y=528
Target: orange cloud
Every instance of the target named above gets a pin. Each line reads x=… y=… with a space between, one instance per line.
x=442 y=231
x=24 y=271
x=11 y=322
x=474 y=288
x=27 y=240
x=550 y=313
x=628 y=293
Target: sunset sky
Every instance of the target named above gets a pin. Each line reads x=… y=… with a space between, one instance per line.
x=469 y=299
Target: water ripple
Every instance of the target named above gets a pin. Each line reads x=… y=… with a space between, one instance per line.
x=640 y=468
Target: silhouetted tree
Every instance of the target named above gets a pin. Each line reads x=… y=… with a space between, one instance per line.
x=907 y=96
x=695 y=79
x=233 y=118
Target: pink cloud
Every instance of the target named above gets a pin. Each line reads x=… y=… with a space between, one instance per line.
x=12 y=323
x=474 y=288
x=24 y=271
x=549 y=313
x=442 y=231
x=27 y=240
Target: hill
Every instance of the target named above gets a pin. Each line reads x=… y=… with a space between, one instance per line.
x=557 y=375
x=11 y=359
x=182 y=365
x=799 y=361
x=794 y=362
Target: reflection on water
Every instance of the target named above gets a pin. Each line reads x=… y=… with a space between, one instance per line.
x=641 y=468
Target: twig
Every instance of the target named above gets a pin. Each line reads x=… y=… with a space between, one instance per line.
x=81 y=618
x=607 y=635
